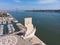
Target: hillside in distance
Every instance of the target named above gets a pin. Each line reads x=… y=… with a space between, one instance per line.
x=43 y=10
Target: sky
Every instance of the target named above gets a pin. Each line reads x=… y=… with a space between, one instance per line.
x=29 y=4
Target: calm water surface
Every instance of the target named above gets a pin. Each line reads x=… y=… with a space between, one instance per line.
x=47 y=24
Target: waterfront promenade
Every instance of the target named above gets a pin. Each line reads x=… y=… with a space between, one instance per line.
x=25 y=34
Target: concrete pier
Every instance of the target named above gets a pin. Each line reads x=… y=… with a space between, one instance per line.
x=1 y=29
x=4 y=20
x=15 y=21
x=10 y=28
x=1 y=20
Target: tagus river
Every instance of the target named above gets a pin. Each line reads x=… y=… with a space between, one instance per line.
x=47 y=24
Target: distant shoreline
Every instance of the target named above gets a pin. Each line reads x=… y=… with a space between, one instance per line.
x=42 y=10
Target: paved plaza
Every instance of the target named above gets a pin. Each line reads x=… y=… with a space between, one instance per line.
x=8 y=40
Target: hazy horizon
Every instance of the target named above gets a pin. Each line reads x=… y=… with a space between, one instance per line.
x=29 y=4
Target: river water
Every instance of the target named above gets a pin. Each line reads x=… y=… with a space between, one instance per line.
x=47 y=25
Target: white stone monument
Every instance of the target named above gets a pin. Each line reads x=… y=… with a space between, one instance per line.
x=30 y=29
